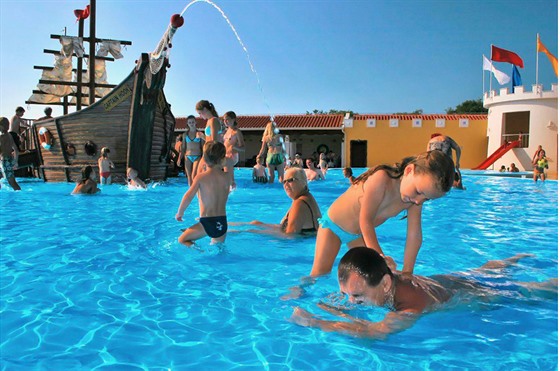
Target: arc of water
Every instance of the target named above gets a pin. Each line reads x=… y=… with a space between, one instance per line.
x=253 y=69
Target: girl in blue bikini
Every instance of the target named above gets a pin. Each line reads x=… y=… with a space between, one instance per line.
x=191 y=149
x=377 y=195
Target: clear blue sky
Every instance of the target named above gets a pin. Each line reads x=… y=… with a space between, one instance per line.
x=367 y=56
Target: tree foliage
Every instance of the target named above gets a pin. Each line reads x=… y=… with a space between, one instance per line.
x=468 y=106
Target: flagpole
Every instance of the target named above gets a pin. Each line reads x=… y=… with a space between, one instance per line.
x=483 y=84
x=537 y=69
x=491 y=69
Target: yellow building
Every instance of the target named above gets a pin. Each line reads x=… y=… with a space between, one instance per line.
x=372 y=139
x=364 y=140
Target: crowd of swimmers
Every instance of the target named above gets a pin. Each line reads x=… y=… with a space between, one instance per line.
x=367 y=274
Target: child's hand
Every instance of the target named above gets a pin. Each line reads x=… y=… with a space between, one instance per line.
x=179 y=217
x=390 y=263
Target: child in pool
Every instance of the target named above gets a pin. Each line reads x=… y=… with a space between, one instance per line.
x=233 y=140
x=259 y=171
x=374 y=197
x=105 y=165
x=133 y=180
x=347 y=171
x=212 y=187
x=87 y=185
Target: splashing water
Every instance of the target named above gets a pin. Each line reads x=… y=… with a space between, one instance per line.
x=242 y=46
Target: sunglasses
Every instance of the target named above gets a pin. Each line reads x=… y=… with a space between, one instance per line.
x=290 y=180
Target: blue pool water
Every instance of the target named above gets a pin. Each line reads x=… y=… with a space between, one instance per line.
x=100 y=282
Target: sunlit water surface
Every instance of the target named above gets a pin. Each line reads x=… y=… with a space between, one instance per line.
x=100 y=282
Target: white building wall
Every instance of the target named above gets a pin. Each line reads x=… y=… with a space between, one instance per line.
x=543 y=124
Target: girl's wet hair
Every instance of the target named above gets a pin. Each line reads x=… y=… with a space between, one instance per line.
x=86 y=173
x=434 y=163
x=365 y=262
x=209 y=106
x=269 y=130
x=233 y=116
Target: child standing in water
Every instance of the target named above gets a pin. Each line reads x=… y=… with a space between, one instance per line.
x=9 y=153
x=259 y=171
x=212 y=187
x=233 y=140
x=133 y=180
x=105 y=165
x=377 y=195
x=86 y=185
x=191 y=149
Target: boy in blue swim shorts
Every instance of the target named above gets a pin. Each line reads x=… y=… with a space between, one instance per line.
x=212 y=187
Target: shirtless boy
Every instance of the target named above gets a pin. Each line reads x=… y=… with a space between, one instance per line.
x=312 y=172
x=212 y=187
x=8 y=154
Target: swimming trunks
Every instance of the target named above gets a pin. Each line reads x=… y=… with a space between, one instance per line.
x=7 y=166
x=193 y=158
x=260 y=179
x=105 y=174
x=345 y=237
x=214 y=226
x=284 y=223
x=274 y=159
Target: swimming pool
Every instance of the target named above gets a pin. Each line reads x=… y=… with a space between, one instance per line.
x=91 y=282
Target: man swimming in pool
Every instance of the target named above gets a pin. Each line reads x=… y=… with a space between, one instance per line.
x=364 y=277
x=212 y=187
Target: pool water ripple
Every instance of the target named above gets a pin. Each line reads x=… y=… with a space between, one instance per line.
x=100 y=282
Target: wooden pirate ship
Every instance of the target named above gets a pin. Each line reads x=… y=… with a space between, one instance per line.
x=132 y=119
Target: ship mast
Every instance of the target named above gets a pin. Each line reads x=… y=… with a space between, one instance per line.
x=92 y=40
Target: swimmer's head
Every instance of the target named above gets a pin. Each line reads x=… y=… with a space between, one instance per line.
x=230 y=119
x=347 y=172
x=86 y=172
x=364 y=276
x=206 y=109
x=260 y=160
x=4 y=124
x=131 y=173
x=105 y=151
x=214 y=153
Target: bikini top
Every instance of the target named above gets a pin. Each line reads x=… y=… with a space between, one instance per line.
x=195 y=140
x=284 y=223
x=208 y=131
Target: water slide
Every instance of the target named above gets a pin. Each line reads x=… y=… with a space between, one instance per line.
x=497 y=155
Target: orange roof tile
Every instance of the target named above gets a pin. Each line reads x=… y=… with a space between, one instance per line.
x=292 y=122
x=324 y=122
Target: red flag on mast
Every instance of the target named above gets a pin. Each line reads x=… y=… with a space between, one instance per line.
x=502 y=55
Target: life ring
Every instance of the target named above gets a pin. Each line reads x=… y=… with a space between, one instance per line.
x=322 y=148
x=45 y=137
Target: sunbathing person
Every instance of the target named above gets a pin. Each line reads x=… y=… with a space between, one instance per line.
x=364 y=276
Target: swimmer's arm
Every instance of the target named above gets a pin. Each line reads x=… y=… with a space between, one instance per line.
x=295 y=218
x=240 y=142
x=392 y=323
x=187 y=198
x=457 y=149
x=263 y=149
x=374 y=191
x=413 y=238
